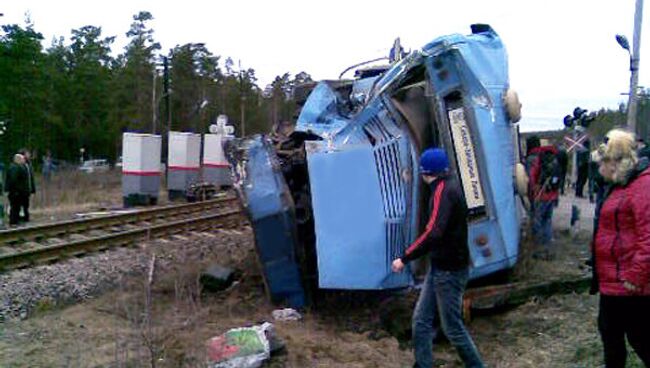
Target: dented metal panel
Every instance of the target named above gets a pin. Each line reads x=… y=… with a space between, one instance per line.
x=363 y=204
x=269 y=206
x=320 y=113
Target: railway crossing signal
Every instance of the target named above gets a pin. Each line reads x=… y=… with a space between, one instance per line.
x=575 y=142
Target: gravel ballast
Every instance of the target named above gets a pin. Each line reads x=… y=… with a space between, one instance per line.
x=25 y=291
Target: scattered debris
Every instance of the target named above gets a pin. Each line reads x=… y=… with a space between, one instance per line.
x=217 y=278
x=201 y=192
x=102 y=213
x=286 y=314
x=246 y=347
x=276 y=345
x=152 y=265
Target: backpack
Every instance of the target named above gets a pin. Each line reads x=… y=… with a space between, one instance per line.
x=550 y=172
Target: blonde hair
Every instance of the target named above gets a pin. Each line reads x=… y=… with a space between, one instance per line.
x=620 y=148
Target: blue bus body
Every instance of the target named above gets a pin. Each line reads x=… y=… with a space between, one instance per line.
x=358 y=201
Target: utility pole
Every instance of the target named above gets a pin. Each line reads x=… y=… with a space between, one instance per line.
x=634 y=67
x=222 y=86
x=242 y=100
x=153 y=102
x=166 y=92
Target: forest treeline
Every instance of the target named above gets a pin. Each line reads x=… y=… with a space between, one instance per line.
x=76 y=94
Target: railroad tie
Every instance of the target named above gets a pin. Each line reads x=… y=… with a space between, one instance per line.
x=207 y=235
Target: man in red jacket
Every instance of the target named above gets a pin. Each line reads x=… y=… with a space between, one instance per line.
x=544 y=187
x=621 y=251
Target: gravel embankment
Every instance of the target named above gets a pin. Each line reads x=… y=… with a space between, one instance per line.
x=75 y=279
x=25 y=291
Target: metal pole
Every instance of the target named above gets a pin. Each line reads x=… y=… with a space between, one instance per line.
x=634 y=67
x=166 y=92
x=574 y=168
x=153 y=103
x=243 y=116
x=241 y=103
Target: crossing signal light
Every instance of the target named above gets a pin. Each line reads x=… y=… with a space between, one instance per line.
x=579 y=117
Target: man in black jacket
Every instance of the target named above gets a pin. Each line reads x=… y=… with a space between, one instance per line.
x=583 y=159
x=563 y=160
x=17 y=187
x=31 y=183
x=445 y=238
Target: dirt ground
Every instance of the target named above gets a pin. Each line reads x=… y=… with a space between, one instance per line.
x=72 y=192
x=118 y=330
x=166 y=323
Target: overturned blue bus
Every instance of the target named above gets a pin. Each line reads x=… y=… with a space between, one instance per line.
x=333 y=204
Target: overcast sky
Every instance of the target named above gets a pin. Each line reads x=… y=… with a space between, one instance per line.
x=562 y=53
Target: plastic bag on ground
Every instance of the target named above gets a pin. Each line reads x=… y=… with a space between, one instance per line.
x=246 y=347
x=286 y=314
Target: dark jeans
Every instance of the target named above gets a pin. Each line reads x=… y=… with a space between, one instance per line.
x=440 y=304
x=583 y=175
x=18 y=201
x=543 y=222
x=620 y=317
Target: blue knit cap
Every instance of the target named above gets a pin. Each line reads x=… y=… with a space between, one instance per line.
x=434 y=161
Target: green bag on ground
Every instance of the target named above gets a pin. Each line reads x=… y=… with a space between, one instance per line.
x=246 y=347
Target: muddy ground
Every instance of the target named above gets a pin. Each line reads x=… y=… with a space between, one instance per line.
x=165 y=323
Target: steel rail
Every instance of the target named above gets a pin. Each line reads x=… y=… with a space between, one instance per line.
x=74 y=248
x=494 y=296
x=73 y=226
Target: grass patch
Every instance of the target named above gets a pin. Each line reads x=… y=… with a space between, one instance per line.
x=44 y=305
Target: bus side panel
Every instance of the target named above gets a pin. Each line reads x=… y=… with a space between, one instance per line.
x=351 y=229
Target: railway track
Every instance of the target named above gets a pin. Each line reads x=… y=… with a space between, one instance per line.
x=24 y=247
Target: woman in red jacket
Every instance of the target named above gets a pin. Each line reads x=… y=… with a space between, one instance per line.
x=621 y=249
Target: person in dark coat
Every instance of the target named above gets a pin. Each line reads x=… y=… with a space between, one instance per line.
x=532 y=143
x=543 y=194
x=17 y=188
x=643 y=149
x=445 y=241
x=621 y=251
x=583 y=158
x=563 y=160
x=594 y=176
x=31 y=183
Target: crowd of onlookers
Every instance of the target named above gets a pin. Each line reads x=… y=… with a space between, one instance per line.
x=20 y=186
x=618 y=173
